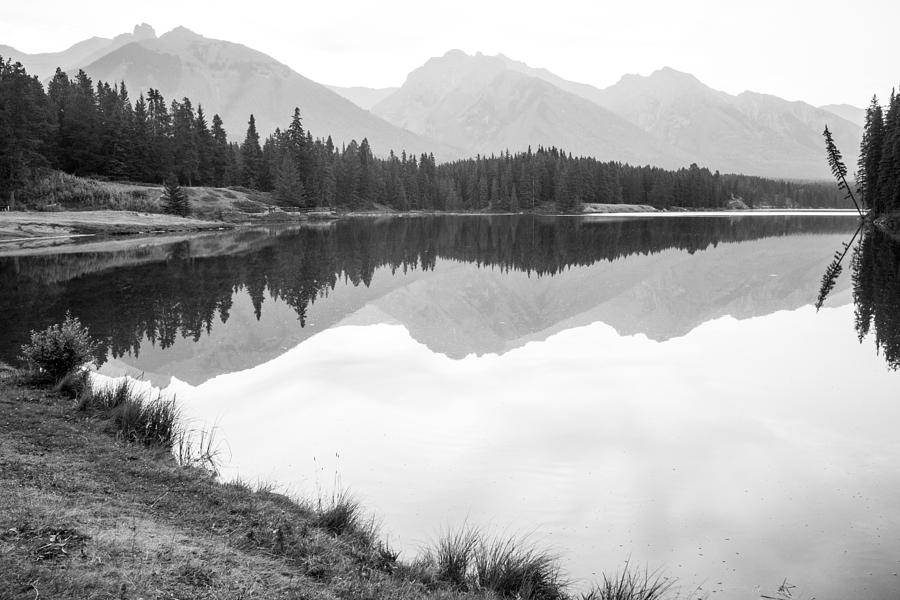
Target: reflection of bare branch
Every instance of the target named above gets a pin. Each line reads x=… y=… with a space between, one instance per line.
x=834 y=270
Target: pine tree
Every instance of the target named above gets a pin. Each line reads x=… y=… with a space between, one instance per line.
x=288 y=187
x=870 y=150
x=159 y=126
x=222 y=155
x=174 y=200
x=251 y=157
x=184 y=142
x=26 y=120
x=889 y=167
x=205 y=149
x=139 y=147
x=297 y=143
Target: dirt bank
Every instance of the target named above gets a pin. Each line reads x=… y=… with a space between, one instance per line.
x=56 y=227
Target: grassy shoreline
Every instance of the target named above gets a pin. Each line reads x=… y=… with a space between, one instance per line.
x=87 y=515
x=90 y=508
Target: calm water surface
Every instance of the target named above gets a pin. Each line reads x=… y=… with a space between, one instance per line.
x=655 y=389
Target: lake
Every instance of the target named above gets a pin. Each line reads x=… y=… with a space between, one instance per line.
x=659 y=390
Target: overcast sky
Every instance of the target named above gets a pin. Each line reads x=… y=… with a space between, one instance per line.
x=821 y=51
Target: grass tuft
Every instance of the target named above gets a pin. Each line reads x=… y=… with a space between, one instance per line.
x=452 y=556
x=342 y=515
x=505 y=567
x=631 y=584
x=142 y=420
x=513 y=569
x=199 y=448
x=106 y=398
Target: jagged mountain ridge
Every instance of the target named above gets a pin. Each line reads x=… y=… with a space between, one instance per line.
x=683 y=119
x=750 y=133
x=44 y=64
x=483 y=106
x=459 y=105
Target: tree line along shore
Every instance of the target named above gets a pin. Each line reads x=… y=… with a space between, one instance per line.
x=86 y=129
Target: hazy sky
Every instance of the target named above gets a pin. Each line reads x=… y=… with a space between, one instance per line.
x=821 y=51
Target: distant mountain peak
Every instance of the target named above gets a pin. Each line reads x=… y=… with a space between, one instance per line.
x=140 y=33
x=181 y=33
x=666 y=70
x=668 y=74
x=144 y=32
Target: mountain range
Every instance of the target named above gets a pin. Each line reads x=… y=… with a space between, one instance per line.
x=229 y=79
x=668 y=118
x=460 y=105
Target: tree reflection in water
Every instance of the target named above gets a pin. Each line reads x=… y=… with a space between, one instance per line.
x=181 y=290
x=875 y=267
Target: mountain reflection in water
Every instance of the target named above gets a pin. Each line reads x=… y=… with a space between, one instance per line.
x=218 y=303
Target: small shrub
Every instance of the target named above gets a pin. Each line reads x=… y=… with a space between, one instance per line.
x=60 y=349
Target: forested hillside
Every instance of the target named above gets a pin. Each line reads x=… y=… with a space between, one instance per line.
x=95 y=129
x=879 y=158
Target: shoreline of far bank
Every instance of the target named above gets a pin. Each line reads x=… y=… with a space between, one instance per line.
x=30 y=229
x=18 y=226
